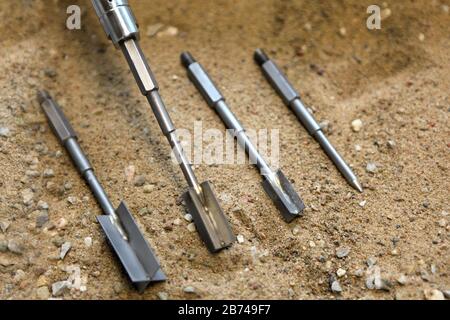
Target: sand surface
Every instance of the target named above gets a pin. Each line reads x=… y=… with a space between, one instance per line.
x=396 y=80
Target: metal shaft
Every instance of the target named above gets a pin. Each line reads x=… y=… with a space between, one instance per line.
x=120 y=25
x=275 y=183
x=292 y=99
x=68 y=138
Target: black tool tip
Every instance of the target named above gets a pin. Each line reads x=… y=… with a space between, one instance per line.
x=187 y=59
x=42 y=95
x=260 y=57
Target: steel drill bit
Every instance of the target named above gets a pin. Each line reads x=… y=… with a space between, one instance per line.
x=292 y=99
x=276 y=185
x=122 y=232
x=121 y=27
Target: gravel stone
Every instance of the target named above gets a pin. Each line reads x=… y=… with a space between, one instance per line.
x=371 y=167
x=357 y=125
x=191 y=227
x=4 y=132
x=342 y=252
x=42 y=219
x=163 y=296
x=49 y=173
x=59 y=288
x=65 y=249
x=42 y=205
x=189 y=289
x=139 y=181
x=43 y=293
x=433 y=294
x=3 y=245
x=27 y=197
x=15 y=247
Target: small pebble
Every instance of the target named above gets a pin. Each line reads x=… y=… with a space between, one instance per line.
x=49 y=72
x=295 y=231
x=240 y=238
x=358 y=148
x=177 y=222
x=391 y=144
x=342 y=252
x=3 y=245
x=19 y=276
x=42 y=219
x=421 y=37
x=371 y=261
x=129 y=173
x=72 y=200
x=335 y=286
x=188 y=217
x=362 y=203
x=65 y=249
x=153 y=29
x=139 y=181
x=170 y=31
x=88 y=242
x=340 y=272
x=191 y=227
x=58 y=288
x=402 y=279
x=32 y=173
x=163 y=295
x=15 y=247
x=357 y=125
x=442 y=222
x=61 y=223
x=49 y=173
x=189 y=289
x=343 y=31
x=433 y=294
x=68 y=186
x=148 y=188
x=359 y=272
x=4 y=225
x=43 y=293
x=4 y=132
x=42 y=205
x=371 y=167
x=27 y=196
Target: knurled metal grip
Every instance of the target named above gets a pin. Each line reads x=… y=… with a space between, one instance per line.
x=204 y=84
x=117 y=19
x=279 y=82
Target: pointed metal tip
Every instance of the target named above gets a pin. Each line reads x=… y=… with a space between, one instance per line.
x=355 y=184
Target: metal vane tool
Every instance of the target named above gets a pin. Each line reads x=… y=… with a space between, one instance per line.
x=121 y=27
x=276 y=185
x=292 y=99
x=122 y=232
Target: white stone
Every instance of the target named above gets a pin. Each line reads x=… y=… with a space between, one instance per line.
x=191 y=227
x=88 y=242
x=340 y=272
x=357 y=125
